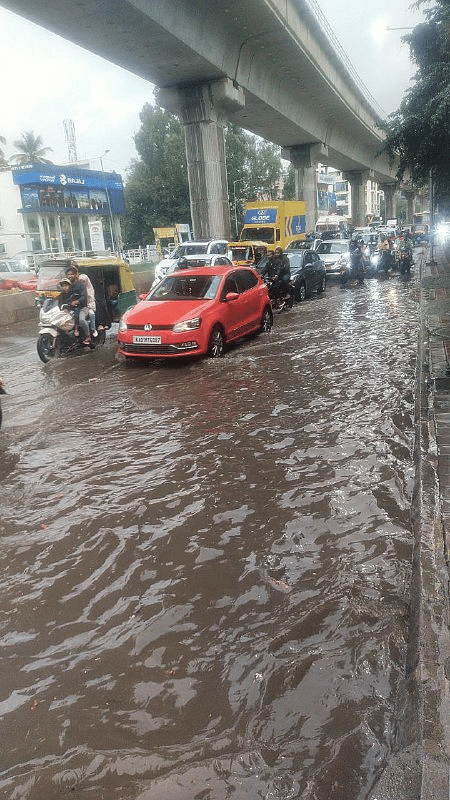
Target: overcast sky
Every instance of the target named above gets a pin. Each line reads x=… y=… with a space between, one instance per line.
x=46 y=80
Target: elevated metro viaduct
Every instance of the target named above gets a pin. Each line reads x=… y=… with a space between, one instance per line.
x=266 y=65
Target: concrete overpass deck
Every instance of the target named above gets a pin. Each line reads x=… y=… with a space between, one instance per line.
x=266 y=65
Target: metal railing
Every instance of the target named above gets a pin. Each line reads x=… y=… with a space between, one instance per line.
x=342 y=55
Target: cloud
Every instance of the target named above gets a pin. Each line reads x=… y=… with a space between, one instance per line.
x=47 y=80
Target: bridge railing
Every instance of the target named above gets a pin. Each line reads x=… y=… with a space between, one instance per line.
x=339 y=50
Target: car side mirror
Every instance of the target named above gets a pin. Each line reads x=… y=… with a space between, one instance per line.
x=231 y=296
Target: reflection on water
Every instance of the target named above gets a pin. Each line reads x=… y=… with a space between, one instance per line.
x=206 y=565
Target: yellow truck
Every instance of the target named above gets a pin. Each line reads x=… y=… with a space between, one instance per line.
x=276 y=222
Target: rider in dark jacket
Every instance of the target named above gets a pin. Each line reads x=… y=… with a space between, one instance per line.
x=265 y=265
x=282 y=274
x=357 y=259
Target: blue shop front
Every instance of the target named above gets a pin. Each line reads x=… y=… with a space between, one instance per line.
x=69 y=208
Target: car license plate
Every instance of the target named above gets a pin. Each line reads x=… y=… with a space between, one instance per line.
x=146 y=340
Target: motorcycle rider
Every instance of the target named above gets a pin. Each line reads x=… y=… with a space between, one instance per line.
x=74 y=296
x=87 y=313
x=266 y=265
x=406 y=253
x=357 y=260
x=384 y=252
x=282 y=275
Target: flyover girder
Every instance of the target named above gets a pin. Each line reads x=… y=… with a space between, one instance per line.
x=296 y=89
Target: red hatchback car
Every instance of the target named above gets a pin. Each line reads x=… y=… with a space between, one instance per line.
x=196 y=311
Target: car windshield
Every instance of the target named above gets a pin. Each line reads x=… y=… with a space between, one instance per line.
x=186 y=287
x=241 y=253
x=295 y=259
x=15 y=266
x=194 y=263
x=325 y=248
x=298 y=245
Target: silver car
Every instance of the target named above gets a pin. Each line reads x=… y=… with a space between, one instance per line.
x=333 y=253
x=215 y=246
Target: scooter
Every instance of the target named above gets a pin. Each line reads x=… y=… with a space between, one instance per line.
x=352 y=269
x=57 y=333
x=381 y=261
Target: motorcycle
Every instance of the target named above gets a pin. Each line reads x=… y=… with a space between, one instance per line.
x=403 y=258
x=381 y=261
x=351 y=270
x=281 y=298
x=57 y=333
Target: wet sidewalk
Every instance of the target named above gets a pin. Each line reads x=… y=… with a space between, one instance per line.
x=420 y=770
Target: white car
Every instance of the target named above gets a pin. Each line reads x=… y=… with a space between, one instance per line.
x=334 y=253
x=10 y=269
x=200 y=261
x=216 y=246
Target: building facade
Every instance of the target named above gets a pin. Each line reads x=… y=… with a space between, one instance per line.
x=45 y=208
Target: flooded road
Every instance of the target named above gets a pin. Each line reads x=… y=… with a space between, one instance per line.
x=205 y=566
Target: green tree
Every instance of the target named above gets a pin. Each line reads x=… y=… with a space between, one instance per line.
x=157 y=191
x=32 y=149
x=418 y=133
x=254 y=169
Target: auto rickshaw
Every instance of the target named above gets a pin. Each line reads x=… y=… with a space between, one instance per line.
x=110 y=277
x=246 y=254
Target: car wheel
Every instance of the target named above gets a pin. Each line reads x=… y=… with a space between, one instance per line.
x=301 y=292
x=216 y=343
x=322 y=285
x=266 y=321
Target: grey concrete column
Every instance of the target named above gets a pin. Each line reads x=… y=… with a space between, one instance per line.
x=410 y=197
x=202 y=109
x=358 y=181
x=304 y=159
x=389 y=200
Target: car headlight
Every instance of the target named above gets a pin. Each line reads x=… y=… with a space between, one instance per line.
x=187 y=325
x=123 y=325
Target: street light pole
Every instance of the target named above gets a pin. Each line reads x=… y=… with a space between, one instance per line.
x=238 y=180
x=111 y=221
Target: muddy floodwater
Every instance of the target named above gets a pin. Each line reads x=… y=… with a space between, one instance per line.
x=205 y=566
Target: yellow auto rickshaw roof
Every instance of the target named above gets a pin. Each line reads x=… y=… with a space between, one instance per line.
x=86 y=261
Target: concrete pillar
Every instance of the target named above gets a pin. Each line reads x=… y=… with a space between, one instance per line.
x=304 y=159
x=202 y=109
x=410 y=197
x=389 y=200
x=358 y=181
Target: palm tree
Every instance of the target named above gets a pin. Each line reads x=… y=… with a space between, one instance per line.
x=31 y=149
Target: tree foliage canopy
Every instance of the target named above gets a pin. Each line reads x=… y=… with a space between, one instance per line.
x=418 y=133
x=157 y=190
x=32 y=149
